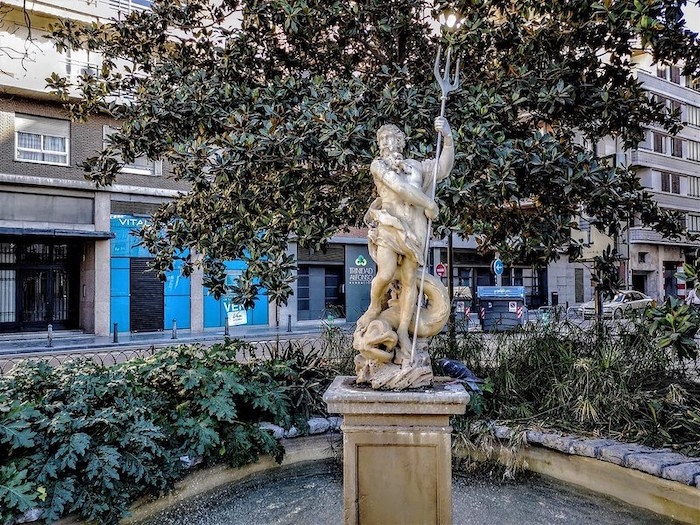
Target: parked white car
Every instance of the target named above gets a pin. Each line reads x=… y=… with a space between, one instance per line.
x=622 y=304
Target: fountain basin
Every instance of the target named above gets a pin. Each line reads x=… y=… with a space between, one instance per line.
x=312 y=494
x=668 y=499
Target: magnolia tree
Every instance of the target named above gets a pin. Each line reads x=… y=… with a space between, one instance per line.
x=268 y=110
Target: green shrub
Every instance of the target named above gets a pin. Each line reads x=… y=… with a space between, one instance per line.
x=674 y=325
x=619 y=383
x=90 y=439
x=309 y=369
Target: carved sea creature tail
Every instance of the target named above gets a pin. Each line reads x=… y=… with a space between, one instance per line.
x=433 y=316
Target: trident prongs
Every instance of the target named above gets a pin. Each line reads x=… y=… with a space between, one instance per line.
x=444 y=81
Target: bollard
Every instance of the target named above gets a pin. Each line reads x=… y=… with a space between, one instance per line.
x=50 y=335
x=174 y=329
x=226 y=328
x=289 y=323
x=115 y=336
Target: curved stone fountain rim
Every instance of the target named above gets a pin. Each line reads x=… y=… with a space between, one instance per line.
x=657 y=480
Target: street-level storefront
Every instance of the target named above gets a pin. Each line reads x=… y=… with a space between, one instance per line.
x=321 y=283
x=218 y=311
x=140 y=302
x=40 y=282
x=472 y=270
x=334 y=283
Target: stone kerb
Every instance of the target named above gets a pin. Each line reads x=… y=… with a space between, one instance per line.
x=662 y=463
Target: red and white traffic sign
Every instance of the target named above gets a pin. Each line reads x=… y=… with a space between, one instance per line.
x=440 y=270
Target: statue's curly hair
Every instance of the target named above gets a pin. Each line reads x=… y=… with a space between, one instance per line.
x=391 y=129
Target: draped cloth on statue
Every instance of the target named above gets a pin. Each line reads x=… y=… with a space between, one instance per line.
x=394 y=233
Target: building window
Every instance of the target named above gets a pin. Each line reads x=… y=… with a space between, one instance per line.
x=683 y=220
x=693 y=223
x=464 y=276
x=692 y=150
x=130 y=5
x=670 y=104
x=675 y=74
x=692 y=115
x=125 y=7
x=672 y=73
x=694 y=83
x=141 y=165
x=659 y=99
x=694 y=186
x=676 y=147
x=642 y=257
x=43 y=140
x=8 y=279
x=671 y=183
x=658 y=141
x=578 y=285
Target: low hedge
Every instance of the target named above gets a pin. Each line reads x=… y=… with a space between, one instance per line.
x=88 y=439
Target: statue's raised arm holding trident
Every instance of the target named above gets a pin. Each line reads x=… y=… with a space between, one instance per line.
x=400 y=221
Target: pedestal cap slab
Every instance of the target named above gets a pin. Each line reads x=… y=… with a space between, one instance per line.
x=444 y=397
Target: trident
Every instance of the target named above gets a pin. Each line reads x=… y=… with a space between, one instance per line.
x=446 y=87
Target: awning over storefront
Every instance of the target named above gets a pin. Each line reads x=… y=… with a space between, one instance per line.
x=64 y=234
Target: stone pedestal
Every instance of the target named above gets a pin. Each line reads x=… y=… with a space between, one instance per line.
x=397 y=451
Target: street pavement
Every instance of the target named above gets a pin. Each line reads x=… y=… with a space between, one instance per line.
x=74 y=341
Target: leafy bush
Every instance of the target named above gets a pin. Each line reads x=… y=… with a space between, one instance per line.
x=311 y=369
x=622 y=384
x=674 y=325
x=89 y=439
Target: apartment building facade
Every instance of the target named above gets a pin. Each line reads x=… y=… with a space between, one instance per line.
x=67 y=256
x=669 y=168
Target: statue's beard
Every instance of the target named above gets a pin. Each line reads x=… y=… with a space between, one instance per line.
x=394 y=158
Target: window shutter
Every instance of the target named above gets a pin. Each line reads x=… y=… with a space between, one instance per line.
x=42 y=126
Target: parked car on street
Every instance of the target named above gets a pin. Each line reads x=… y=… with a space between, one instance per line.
x=623 y=303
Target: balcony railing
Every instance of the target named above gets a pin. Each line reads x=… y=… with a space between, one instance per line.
x=128 y=6
x=645 y=235
x=75 y=68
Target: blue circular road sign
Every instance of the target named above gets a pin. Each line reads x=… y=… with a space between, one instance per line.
x=497 y=267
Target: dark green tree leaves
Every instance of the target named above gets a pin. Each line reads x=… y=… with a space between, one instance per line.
x=267 y=112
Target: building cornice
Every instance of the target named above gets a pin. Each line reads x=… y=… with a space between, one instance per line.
x=27 y=180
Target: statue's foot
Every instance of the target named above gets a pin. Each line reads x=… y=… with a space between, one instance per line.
x=403 y=351
x=366 y=318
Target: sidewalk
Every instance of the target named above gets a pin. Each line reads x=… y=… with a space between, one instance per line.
x=71 y=340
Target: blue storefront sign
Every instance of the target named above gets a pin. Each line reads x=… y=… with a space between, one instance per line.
x=216 y=312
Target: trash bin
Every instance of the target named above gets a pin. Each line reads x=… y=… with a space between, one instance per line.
x=501 y=307
x=555 y=299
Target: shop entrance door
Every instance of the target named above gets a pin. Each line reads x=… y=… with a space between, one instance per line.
x=38 y=286
x=45 y=297
x=319 y=292
x=35 y=291
x=147 y=309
